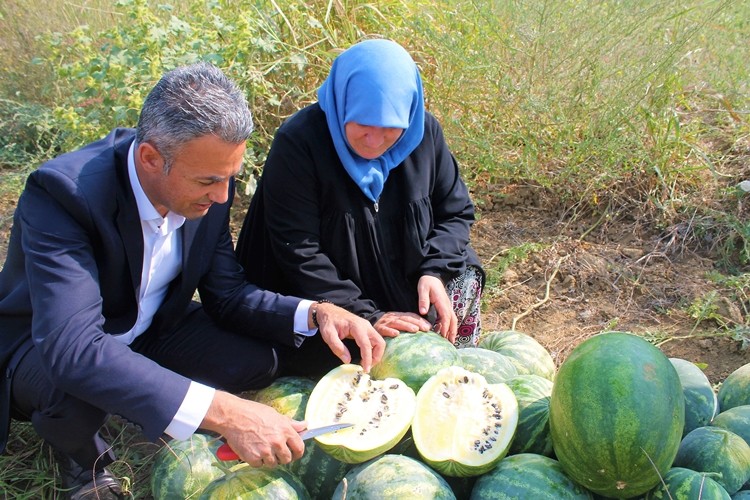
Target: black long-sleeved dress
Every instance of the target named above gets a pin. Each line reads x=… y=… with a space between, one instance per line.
x=311 y=232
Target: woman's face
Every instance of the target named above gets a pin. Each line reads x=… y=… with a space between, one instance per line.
x=371 y=142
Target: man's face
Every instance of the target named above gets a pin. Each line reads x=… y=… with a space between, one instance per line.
x=199 y=175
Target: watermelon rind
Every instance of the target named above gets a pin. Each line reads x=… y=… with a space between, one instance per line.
x=533 y=394
x=183 y=468
x=528 y=475
x=735 y=390
x=685 y=484
x=701 y=402
x=250 y=483
x=392 y=477
x=716 y=450
x=524 y=351
x=414 y=357
x=617 y=413
x=493 y=366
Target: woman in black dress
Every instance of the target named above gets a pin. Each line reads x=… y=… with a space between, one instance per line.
x=361 y=203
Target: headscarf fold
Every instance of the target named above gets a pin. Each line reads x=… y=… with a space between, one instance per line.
x=374 y=83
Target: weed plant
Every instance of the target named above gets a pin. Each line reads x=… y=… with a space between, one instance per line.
x=616 y=109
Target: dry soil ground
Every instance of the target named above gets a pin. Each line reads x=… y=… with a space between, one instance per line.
x=621 y=276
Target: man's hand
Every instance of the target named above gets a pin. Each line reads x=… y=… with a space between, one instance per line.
x=260 y=435
x=431 y=290
x=391 y=323
x=337 y=324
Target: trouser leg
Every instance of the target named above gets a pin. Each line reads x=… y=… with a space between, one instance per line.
x=201 y=350
x=465 y=292
x=70 y=425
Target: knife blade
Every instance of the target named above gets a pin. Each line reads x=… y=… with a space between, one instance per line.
x=225 y=452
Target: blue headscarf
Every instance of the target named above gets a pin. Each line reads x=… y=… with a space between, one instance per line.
x=374 y=83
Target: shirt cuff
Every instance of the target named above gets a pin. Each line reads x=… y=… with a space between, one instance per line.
x=300 y=319
x=192 y=411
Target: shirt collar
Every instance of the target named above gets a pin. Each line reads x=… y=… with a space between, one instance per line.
x=146 y=210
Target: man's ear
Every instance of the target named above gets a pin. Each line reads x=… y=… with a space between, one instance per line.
x=149 y=158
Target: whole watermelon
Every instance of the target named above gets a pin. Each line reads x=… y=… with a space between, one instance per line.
x=735 y=419
x=527 y=475
x=414 y=357
x=532 y=433
x=735 y=390
x=493 y=366
x=287 y=395
x=249 y=483
x=524 y=351
x=616 y=415
x=183 y=468
x=701 y=404
x=685 y=484
x=392 y=477
x=716 y=450
x=318 y=471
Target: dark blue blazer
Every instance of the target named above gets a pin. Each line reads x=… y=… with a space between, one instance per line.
x=72 y=274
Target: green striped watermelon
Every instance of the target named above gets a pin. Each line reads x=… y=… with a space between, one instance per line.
x=524 y=351
x=414 y=357
x=701 y=403
x=493 y=366
x=685 y=484
x=713 y=449
x=527 y=476
x=735 y=390
x=319 y=471
x=616 y=414
x=250 y=483
x=532 y=433
x=287 y=395
x=392 y=477
x=183 y=468
x=735 y=419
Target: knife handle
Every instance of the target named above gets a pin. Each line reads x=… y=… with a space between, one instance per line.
x=226 y=453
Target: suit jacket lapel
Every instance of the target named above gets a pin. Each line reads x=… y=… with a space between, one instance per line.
x=127 y=219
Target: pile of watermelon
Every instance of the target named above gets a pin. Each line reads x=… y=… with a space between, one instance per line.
x=617 y=419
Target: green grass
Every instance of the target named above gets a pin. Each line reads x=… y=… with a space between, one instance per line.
x=616 y=109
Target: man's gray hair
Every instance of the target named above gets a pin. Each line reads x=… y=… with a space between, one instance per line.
x=190 y=102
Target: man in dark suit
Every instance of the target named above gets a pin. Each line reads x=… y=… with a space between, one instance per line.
x=97 y=317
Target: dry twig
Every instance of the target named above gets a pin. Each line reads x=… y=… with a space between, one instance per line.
x=541 y=302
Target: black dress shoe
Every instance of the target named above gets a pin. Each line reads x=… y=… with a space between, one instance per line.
x=84 y=484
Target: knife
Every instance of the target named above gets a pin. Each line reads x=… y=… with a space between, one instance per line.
x=225 y=452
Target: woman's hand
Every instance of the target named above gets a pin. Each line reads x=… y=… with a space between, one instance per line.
x=391 y=323
x=431 y=291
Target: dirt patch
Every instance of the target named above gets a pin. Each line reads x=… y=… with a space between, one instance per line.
x=622 y=276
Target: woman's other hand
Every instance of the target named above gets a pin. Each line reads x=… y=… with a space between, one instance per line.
x=431 y=291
